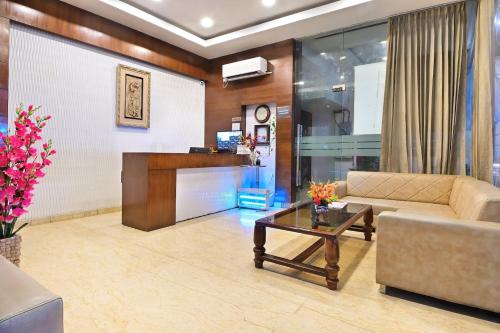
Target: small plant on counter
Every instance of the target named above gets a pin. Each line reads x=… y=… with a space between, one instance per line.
x=21 y=164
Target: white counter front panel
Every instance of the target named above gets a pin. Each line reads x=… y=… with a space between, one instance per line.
x=205 y=191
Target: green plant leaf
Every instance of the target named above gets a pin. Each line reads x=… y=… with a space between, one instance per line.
x=15 y=232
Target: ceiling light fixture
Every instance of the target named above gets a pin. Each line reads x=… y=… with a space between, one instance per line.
x=343 y=58
x=268 y=3
x=383 y=42
x=273 y=24
x=207 y=22
x=323 y=53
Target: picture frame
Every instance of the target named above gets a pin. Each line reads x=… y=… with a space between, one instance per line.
x=133 y=95
x=262 y=134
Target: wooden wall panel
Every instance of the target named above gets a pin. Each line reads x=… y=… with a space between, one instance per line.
x=223 y=104
x=4 y=72
x=74 y=23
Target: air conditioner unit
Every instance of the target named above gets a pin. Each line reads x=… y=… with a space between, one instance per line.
x=244 y=69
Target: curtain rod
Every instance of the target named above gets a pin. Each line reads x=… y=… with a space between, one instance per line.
x=383 y=20
x=427 y=8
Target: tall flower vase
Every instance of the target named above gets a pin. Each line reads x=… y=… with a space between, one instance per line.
x=10 y=248
x=253 y=157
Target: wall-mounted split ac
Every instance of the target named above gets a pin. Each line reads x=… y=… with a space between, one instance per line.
x=244 y=69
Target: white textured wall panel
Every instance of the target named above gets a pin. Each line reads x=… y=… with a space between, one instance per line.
x=76 y=84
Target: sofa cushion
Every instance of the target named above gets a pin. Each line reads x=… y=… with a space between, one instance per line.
x=401 y=186
x=381 y=205
x=472 y=199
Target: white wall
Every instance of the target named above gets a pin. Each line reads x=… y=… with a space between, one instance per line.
x=76 y=85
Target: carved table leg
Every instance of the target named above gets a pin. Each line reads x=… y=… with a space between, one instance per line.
x=368 y=218
x=259 y=239
x=332 y=259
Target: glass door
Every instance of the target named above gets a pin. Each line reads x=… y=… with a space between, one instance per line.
x=339 y=95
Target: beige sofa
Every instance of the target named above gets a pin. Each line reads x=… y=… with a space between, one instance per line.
x=437 y=235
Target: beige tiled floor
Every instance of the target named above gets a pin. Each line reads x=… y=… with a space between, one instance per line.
x=199 y=277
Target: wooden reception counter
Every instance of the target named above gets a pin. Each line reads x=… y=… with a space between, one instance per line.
x=159 y=189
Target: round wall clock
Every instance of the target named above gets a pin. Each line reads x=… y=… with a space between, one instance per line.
x=262 y=113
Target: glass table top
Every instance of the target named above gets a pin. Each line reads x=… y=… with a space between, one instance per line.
x=301 y=218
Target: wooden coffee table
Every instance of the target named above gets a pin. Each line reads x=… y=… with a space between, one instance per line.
x=299 y=220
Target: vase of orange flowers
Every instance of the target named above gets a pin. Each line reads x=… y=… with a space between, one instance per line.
x=322 y=194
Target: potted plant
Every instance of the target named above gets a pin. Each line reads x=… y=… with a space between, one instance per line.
x=322 y=194
x=21 y=164
x=250 y=143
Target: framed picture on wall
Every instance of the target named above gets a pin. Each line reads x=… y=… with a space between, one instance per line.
x=133 y=91
x=261 y=133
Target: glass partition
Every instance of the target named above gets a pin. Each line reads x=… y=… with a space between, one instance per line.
x=339 y=93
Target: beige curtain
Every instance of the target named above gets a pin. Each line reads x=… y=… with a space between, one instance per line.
x=482 y=114
x=423 y=129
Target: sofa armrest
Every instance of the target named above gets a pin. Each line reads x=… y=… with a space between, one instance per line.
x=452 y=259
x=341 y=188
x=25 y=305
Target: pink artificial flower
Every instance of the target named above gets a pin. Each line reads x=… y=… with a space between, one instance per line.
x=12 y=173
x=20 y=166
x=18 y=211
x=39 y=173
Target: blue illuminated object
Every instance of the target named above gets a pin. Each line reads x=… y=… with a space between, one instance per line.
x=253 y=198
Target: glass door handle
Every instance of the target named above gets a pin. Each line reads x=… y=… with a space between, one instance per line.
x=298 y=171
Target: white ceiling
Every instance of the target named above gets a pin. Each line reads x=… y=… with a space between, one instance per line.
x=228 y=15
x=243 y=24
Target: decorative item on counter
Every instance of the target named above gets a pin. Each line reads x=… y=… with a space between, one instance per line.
x=322 y=194
x=250 y=143
x=20 y=165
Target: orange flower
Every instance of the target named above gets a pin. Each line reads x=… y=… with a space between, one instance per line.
x=322 y=193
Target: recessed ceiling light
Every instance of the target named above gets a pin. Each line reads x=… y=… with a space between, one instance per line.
x=343 y=58
x=323 y=53
x=383 y=42
x=206 y=22
x=268 y=3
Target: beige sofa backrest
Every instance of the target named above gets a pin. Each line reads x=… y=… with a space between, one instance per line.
x=472 y=199
x=400 y=186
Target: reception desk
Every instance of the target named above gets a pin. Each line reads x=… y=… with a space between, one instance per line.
x=160 y=189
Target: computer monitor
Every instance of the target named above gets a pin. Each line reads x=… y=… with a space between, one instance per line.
x=228 y=140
